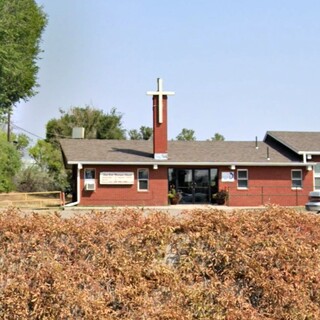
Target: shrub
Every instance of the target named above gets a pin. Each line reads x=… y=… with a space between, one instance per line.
x=124 y=264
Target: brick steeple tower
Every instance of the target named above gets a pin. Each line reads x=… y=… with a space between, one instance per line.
x=160 y=121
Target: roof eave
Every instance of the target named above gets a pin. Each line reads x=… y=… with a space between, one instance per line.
x=281 y=141
x=175 y=163
x=315 y=153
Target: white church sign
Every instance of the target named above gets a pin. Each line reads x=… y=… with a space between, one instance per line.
x=116 y=178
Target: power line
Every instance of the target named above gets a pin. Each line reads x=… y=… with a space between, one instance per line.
x=32 y=134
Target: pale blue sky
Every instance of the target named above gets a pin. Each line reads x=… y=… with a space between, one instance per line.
x=238 y=67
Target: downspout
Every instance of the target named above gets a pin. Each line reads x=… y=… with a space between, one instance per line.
x=304 y=157
x=71 y=204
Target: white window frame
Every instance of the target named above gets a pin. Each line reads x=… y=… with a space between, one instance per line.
x=243 y=179
x=296 y=179
x=316 y=175
x=142 y=179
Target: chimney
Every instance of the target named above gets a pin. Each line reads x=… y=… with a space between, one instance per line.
x=78 y=133
x=160 y=121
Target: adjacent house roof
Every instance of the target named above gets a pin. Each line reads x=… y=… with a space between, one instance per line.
x=93 y=151
x=299 y=142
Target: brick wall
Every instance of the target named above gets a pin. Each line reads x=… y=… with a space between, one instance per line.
x=268 y=185
x=160 y=135
x=126 y=195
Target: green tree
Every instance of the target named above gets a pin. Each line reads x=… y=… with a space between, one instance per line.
x=110 y=126
x=48 y=158
x=33 y=179
x=144 y=133
x=95 y=122
x=10 y=163
x=21 y=25
x=217 y=137
x=134 y=134
x=186 y=135
x=97 y=125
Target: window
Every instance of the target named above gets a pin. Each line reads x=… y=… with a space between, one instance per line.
x=296 y=178
x=242 y=178
x=89 y=174
x=317 y=177
x=143 y=179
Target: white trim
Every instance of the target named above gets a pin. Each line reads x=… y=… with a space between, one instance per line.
x=247 y=179
x=309 y=152
x=301 y=179
x=79 y=167
x=138 y=180
x=316 y=175
x=172 y=163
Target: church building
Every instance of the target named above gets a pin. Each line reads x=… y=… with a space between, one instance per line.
x=282 y=169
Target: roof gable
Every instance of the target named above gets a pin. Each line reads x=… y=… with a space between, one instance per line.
x=299 y=142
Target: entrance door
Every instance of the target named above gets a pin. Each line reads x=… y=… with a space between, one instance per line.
x=194 y=184
x=201 y=186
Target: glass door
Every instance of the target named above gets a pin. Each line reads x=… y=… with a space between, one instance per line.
x=184 y=183
x=201 y=186
x=194 y=185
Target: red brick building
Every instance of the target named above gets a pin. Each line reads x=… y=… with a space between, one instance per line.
x=281 y=169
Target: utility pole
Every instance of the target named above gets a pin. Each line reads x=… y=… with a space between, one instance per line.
x=9 y=125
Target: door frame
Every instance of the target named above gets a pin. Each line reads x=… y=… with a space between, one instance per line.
x=190 y=198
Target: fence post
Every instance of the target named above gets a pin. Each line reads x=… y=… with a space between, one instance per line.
x=62 y=198
x=262 y=196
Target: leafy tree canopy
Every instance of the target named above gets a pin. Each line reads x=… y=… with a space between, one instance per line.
x=48 y=159
x=96 y=123
x=186 y=135
x=217 y=137
x=33 y=179
x=144 y=133
x=21 y=25
x=10 y=163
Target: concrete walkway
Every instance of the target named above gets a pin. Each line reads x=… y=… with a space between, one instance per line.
x=171 y=209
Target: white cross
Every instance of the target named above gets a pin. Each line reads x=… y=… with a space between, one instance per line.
x=160 y=93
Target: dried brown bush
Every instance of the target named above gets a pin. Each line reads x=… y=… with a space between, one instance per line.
x=122 y=264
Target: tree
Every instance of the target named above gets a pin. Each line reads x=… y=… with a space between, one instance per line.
x=10 y=163
x=217 y=137
x=144 y=133
x=110 y=126
x=186 y=135
x=95 y=122
x=97 y=125
x=21 y=25
x=48 y=159
x=33 y=179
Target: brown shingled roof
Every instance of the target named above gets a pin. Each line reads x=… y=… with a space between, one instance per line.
x=298 y=141
x=182 y=152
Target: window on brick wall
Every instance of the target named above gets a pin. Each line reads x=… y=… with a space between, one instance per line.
x=242 y=177
x=143 y=179
x=89 y=173
x=317 y=177
x=296 y=178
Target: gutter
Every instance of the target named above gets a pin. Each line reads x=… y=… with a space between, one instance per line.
x=172 y=163
x=79 y=167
